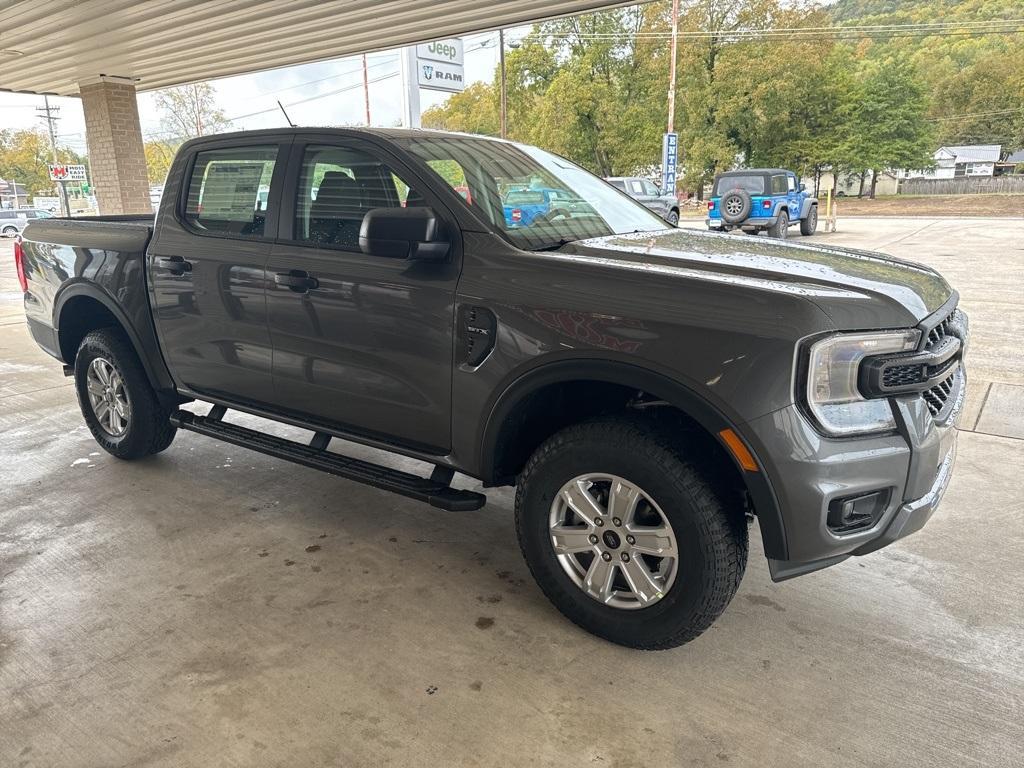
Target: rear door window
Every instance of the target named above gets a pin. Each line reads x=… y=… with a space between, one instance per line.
x=229 y=189
x=779 y=186
x=636 y=187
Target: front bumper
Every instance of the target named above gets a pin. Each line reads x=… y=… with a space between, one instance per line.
x=809 y=472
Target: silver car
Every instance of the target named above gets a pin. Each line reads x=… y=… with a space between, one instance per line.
x=645 y=192
x=12 y=221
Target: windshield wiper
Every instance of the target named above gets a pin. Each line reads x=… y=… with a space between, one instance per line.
x=554 y=245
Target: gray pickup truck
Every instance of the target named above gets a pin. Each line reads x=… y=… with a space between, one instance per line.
x=648 y=390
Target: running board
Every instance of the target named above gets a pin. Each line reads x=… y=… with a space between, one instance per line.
x=434 y=490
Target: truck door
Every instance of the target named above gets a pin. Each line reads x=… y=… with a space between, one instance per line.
x=206 y=268
x=361 y=342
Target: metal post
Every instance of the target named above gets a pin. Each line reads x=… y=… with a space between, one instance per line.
x=672 y=68
x=62 y=192
x=366 y=91
x=504 y=91
x=410 y=89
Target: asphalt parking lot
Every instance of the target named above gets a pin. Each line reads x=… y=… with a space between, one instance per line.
x=212 y=606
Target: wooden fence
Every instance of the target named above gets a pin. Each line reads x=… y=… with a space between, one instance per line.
x=1003 y=185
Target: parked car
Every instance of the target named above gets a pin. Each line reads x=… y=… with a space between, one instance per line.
x=761 y=200
x=644 y=191
x=14 y=220
x=645 y=388
x=524 y=206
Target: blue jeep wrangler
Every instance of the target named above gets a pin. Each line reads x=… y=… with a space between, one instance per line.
x=759 y=199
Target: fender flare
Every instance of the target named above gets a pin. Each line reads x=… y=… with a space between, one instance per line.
x=156 y=370
x=805 y=207
x=708 y=416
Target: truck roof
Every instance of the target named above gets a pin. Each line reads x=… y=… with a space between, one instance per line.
x=390 y=133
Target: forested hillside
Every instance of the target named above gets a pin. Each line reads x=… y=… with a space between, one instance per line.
x=763 y=82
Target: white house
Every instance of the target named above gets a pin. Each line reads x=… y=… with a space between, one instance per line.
x=956 y=162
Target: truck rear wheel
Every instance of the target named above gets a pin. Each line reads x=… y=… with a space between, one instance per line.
x=120 y=406
x=626 y=537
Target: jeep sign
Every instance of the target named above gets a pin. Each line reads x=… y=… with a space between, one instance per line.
x=448 y=51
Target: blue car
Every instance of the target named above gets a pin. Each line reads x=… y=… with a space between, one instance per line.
x=761 y=200
x=524 y=206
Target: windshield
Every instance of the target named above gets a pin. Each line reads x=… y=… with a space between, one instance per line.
x=753 y=184
x=501 y=175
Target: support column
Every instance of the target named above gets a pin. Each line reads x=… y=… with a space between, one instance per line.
x=116 y=156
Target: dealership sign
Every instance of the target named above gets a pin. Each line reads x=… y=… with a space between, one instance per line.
x=59 y=172
x=669 y=155
x=439 y=65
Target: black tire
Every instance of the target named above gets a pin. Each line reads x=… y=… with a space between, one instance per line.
x=809 y=224
x=673 y=217
x=711 y=534
x=148 y=429
x=735 y=206
x=781 y=226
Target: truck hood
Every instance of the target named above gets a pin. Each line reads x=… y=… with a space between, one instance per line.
x=856 y=289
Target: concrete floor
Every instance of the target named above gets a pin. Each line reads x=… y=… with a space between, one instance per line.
x=212 y=607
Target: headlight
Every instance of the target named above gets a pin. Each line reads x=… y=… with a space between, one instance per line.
x=832 y=393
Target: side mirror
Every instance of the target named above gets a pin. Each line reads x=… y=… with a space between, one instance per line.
x=803 y=187
x=403 y=233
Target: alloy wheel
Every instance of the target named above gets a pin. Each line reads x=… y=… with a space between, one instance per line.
x=613 y=541
x=108 y=397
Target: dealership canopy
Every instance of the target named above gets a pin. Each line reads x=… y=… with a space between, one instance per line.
x=53 y=47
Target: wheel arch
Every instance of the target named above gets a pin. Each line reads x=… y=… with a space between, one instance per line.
x=517 y=395
x=83 y=307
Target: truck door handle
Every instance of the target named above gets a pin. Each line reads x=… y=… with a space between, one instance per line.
x=297 y=280
x=176 y=265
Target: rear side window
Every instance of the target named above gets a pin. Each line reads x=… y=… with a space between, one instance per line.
x=6 y=214
x=752 y=184
x=779 y=186
x=229 y=189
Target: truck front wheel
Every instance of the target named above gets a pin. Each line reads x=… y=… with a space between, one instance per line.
x=627 y=537
x=120 y=406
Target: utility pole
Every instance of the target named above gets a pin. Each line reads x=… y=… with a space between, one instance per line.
x=49 y=115
x=670 y=141
x=672 y=68
x=504 y=91
x=366 y=91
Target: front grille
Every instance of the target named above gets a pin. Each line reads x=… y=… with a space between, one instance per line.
x=938 y=397
x=902 y=375
x=946 y=396
x=945 y=328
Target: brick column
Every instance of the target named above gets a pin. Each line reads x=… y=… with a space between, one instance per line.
x=116 y=156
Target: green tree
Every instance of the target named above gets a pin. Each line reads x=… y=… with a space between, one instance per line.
x=188 y=111
x=159 y=155
x=888 y=128
x=25 y=156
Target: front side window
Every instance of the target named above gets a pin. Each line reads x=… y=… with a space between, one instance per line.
x=500 y=173
x=337 y=186
x=228 y=190
x=791 y=183
x=44 y=215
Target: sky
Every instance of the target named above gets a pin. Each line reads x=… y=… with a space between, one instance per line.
x=337 y=83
